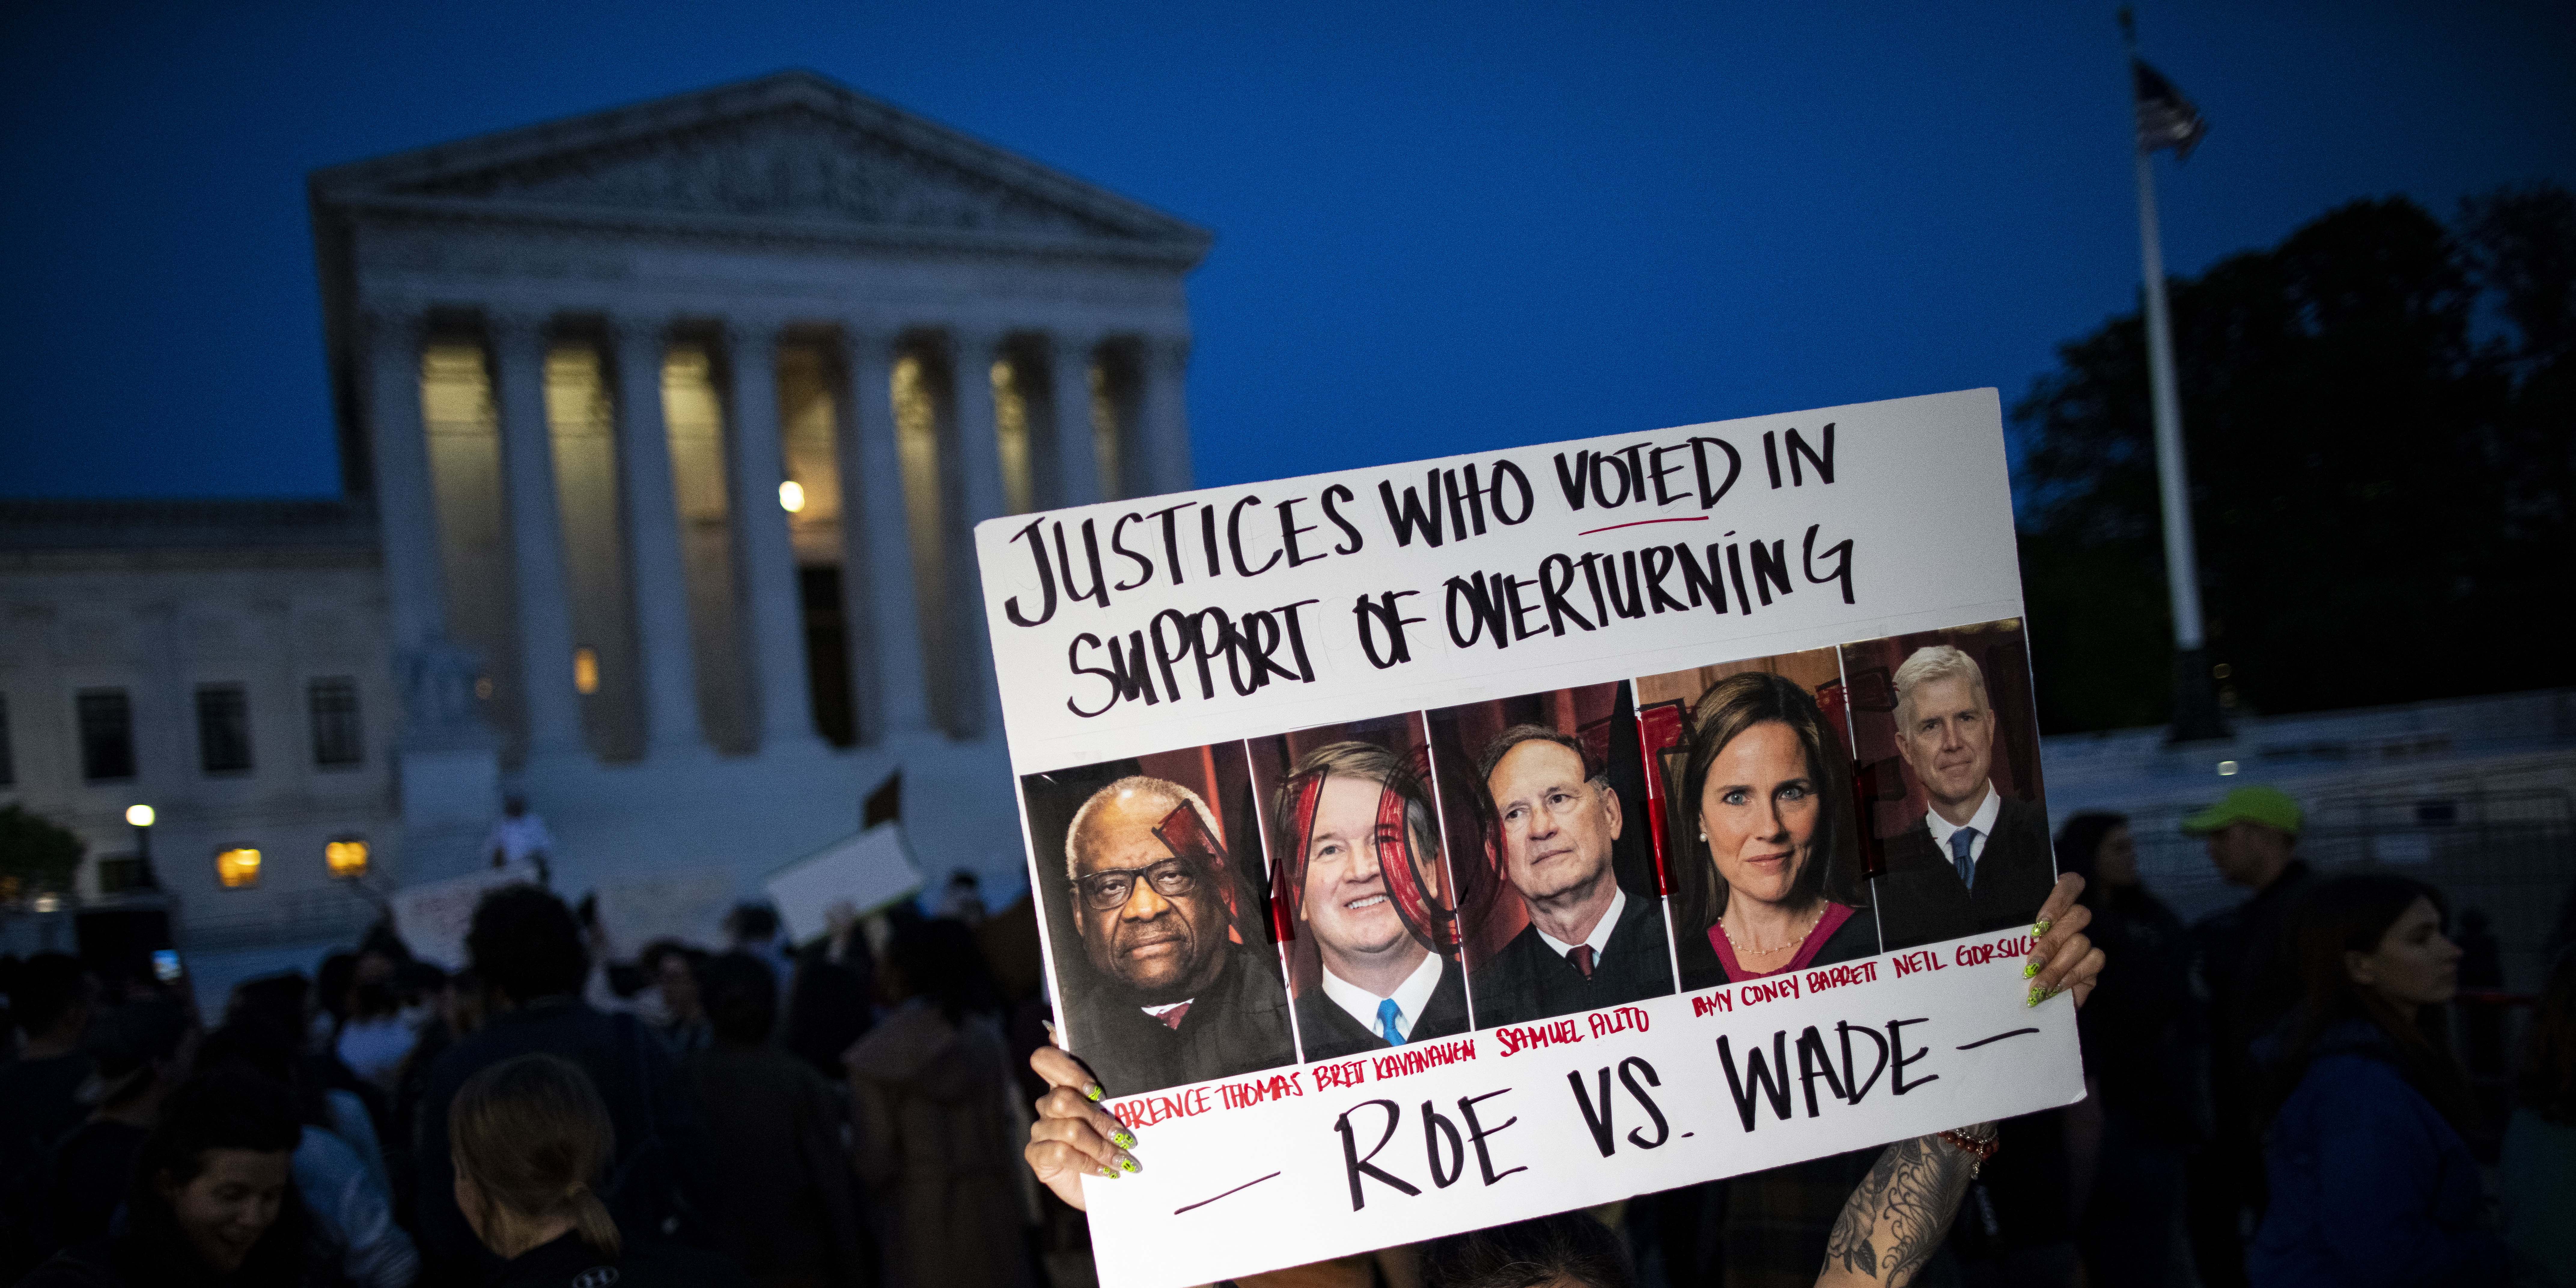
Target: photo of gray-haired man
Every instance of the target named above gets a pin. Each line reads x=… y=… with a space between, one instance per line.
x=1976 y=860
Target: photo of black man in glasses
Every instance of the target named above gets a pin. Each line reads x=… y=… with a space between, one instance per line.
x=1154 y=889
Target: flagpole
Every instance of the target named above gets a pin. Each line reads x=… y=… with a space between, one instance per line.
x=2195 y=706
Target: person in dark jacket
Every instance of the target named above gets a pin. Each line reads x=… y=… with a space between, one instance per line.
x=2372 y=1182
x=2246 y=972
x=143 y=1051
x=2143 y=1048
x=532 y=1142
x=50 y=1001
x=936 y=1145
x=1175 y=998
x=211 y=1200
x=527 y=950
x=787 y=1200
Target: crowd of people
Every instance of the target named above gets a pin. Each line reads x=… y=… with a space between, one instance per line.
x=2278 y=1090
x=2275 y=1100
x=843 y=1114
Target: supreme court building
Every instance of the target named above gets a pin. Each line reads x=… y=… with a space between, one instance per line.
x=661 y=433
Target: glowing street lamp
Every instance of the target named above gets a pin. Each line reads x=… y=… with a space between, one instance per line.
x=141 y=818
x=791 y=497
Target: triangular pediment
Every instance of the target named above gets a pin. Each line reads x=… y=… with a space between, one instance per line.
x=792 y=148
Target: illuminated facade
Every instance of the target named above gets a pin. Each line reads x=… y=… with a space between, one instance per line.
x=665 y=428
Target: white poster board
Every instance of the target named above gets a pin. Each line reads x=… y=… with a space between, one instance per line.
x=1190 y=682
x=688 y=906
x=432 y=917
x=866 y=870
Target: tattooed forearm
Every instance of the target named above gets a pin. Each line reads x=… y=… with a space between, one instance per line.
x=1898 y=1214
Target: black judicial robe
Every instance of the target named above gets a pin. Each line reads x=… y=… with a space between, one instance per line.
x=1528 y=981
x=1921 y=901
x=1856 y=938
x=1237 y=1024
x=1331 y=1033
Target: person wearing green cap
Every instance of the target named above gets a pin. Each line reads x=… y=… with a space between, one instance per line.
x=2245 y=963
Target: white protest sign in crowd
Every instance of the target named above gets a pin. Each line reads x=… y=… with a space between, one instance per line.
x=1385 y=823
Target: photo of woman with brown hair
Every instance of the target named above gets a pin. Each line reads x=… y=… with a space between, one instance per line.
x=1768 y=871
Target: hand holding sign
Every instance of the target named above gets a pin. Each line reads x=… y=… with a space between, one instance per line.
x=1074 y=1137
x=2065 y=960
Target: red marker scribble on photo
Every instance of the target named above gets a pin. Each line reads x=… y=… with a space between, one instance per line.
x=1185 y=833
x=1432 y=923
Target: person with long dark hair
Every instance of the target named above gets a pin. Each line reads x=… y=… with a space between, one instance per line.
x=1769 y=875
x=2143 y=1048
x=2367 y=1155
x=211 y=1199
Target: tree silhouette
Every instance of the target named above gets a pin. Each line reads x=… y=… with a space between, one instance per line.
x=2377 y=414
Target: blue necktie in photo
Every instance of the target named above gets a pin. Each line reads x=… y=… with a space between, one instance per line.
x=1386 y=1014
x=1962 y=857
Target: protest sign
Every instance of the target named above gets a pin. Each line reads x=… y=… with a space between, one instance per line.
x=432 y=917
x=1385 y=824
x=867 y=870
x=688 y=906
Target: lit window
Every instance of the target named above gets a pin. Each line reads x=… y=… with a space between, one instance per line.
x=347 y=857
x=237 y=868
x=585 y=670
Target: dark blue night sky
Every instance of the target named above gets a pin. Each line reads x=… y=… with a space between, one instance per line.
x=1440 y=227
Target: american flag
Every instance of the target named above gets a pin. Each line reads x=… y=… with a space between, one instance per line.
x=2165 y=118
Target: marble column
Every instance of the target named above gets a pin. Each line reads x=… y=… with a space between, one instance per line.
x=755 y=460
x=398 y=448
x=978 y=437
x=876 y=582
x=652 y=511
x=1165 y=443
x=1077 y=446
x=979 y=465
x=542 y=598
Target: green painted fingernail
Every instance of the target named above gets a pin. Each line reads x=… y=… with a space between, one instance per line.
x=1123 y=1138
x=1127 y=1163
x=1110 y=1172
x=2037 y=994
x=2040 y=930
x=1091 y=1091
x=2029 y=969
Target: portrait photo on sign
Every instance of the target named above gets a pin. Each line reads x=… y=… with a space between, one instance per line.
x=1946 y=736
x=1550 y=833
x=1753 y=774
x=1363 y=895
x=1151 y=877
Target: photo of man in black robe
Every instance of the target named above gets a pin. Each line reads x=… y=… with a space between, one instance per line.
x=1361 y=875
x=1175 y=995
x=1977 y=860
x=1589 y=943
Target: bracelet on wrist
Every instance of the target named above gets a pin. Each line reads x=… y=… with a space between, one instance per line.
x=1978 y=1151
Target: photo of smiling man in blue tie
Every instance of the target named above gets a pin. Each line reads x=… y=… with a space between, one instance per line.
x=1361 y=874
x=1977 y=860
